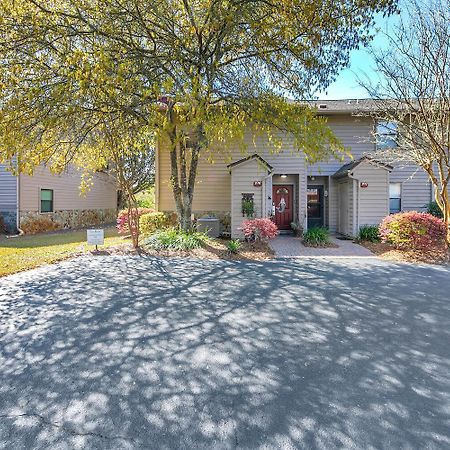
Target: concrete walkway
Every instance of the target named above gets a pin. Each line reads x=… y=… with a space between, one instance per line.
x=286 y=246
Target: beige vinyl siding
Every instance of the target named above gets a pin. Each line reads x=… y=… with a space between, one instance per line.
x=344 y=189
x=355 y=135
x=213 y=184
x=8 y=189
x=333 y=204
x=242 y=177
x=66 y=192
x=416 y=187
x=372 y=201
x=212 y=190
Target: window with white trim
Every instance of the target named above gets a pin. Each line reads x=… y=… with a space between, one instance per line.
x=46 y=200
x=395 y=197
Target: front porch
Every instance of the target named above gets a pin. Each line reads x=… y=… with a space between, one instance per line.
x=260 y=190
x=357 y=194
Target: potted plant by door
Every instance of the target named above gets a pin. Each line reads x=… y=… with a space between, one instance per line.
x=297 y=229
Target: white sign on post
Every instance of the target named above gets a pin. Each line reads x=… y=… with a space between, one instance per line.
x=95 y=237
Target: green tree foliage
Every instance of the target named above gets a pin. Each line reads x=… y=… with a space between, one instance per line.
x=192 y=73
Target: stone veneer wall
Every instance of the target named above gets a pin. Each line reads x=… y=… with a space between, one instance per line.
x=9 y=219
x=77 y=218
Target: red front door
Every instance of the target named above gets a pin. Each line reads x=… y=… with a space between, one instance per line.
x=283 y=200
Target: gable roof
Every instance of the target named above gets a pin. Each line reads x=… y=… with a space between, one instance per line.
x=346 y=168
x=248 y=158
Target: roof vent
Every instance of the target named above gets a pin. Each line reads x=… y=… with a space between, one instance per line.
x=322 y=106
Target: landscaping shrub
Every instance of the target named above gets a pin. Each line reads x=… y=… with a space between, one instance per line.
x=149 y=223
x=259 y=229
x=39 y=224
x=413 y=230
x=369 y=233
x=316 y=237
x=175 y=239
x=3 y=229
x=233 y=246
x=122 y=218
x=434 y=210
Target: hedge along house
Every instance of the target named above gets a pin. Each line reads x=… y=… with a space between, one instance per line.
x=340 y=195
x=25 y=198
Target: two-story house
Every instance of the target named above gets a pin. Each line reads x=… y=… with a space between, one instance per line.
x=339 y=195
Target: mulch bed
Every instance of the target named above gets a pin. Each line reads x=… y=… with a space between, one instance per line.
x=214 y=249
x=389 y=252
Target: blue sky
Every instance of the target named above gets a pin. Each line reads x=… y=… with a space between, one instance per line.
x=361 y=64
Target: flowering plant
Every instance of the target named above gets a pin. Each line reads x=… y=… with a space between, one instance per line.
x=259 y=229
x=413 y=230
x=123 y=219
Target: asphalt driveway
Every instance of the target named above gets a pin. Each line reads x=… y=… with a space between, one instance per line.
x=140 y=352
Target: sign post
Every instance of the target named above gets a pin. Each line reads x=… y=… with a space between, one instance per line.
x=96 y=237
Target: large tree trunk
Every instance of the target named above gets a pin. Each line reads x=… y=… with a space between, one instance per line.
x=443 y=201
x=184 y=163
x=440 y=183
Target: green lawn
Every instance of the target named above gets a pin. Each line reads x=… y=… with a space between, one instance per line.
x=26 y=252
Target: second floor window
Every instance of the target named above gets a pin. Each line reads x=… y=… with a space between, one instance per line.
x=386 y=135
x=46 y=200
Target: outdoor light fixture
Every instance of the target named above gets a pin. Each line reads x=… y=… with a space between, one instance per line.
x=284 y=176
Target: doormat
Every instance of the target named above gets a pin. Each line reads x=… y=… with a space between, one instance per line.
x=344 y=238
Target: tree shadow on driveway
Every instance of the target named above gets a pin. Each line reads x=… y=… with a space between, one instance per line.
x=141 y=352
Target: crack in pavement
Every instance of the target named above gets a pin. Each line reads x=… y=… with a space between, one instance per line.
x=66 y=429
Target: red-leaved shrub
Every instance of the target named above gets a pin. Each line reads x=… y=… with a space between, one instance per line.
x=259 y=229
x=413 y=230
x=122 y=218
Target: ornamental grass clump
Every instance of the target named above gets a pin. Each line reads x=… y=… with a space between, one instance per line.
x=317 y=237
x=413 y=230
x=369 y=233
x=259 y=229
x=176 y=239
x=233 y=246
